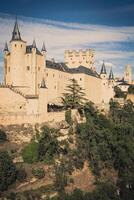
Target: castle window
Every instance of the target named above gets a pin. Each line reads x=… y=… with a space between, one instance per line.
x=28 y=68
x=15 y=45
x=80 y=79
x=38 y=68
x=8 y=69
x=53 y=75
x=55 y=87
x=47 y=74
x=21 y=45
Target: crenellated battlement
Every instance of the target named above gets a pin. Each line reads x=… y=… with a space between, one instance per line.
x=74 y=58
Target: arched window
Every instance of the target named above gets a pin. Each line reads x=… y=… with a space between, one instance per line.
x=28 y=68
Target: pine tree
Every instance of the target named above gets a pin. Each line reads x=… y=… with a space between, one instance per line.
x=74 y=97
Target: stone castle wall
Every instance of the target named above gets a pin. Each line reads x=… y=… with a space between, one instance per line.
x=32 y=119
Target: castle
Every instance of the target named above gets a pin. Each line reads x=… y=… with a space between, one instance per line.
x=31 y=82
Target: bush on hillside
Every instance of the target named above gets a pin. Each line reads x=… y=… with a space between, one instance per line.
x=38 y=173
x=30 y=153
x=3 y=136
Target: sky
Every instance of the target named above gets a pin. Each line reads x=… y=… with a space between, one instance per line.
x=104 y=25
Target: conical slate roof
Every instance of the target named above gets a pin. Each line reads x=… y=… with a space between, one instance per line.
x=34 y=44
x=6 y=47
x=43 y=47
x=111 y=76
x=103 y=69
x=16 y=32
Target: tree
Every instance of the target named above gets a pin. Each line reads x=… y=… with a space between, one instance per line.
x=74 y=97
x=21 y=175
x=119 y=93
x=128 y=106
x=60 y=180
x=8 y=171
x=131 y=89
x=3 y=136
x=48 y=144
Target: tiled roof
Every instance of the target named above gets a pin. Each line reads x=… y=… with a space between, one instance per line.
x=124 y=83
x=64 y=68
x=16 y=32
x=29 y=50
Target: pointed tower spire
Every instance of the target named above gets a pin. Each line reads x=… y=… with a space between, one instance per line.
x=6 y=47
x=111 y=76
x=43 y=47
x=103 y=69
x=34 y=44
x=43 y=84
x=16 y=32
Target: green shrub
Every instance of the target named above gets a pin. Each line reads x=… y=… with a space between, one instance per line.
x=30 y=153
x=68 y=117
x=3 y=136
x=21 y=175
x=48 y=145
x=38 y=173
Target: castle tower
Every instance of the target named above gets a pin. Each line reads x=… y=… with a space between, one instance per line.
x=103 y=73
x=6 y=60
x=43 y=48
x=74 y=59
x=128 y=74
x=17 y=58
x=43 y=97
x=44 y=52
x=111 y=77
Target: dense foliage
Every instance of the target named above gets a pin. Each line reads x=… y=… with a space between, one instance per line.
x=8 y=171
x=48 y=145
x=108 y=143
x=104 y=191
x=44 y=149
x=30 y=152
x=21 y=175
x=119 y=93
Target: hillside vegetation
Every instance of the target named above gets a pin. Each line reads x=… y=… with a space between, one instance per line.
x=104 y=142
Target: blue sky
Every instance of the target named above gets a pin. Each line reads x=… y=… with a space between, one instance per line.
x=107 y=26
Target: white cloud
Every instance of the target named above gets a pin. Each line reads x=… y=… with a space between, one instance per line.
x=59 y=36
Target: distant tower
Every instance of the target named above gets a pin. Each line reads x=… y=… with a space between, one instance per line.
x=6 y=59
x=103 y=73
x=128 y=74
x=44 y=52
x=17 y=58
x=43 y=48
x=111 y=78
